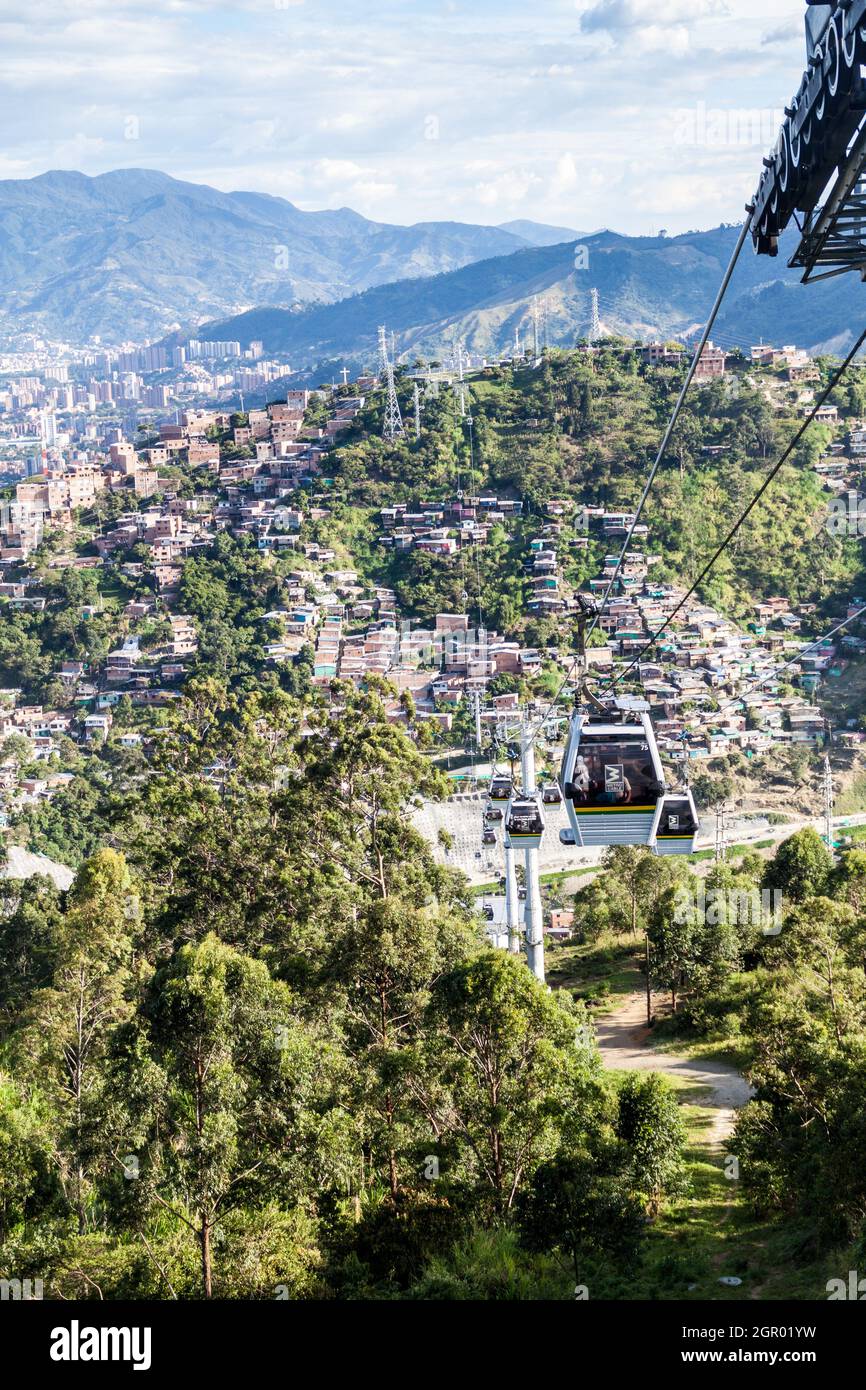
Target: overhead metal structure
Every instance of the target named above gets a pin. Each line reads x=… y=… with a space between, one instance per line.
x=815 y=171
x=393 y=422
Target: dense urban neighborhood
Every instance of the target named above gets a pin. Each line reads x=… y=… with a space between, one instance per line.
x=129 y=494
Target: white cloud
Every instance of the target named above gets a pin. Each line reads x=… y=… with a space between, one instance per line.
x=637 y=14
x=508 y=189
x=563 y=112
x=565 y=176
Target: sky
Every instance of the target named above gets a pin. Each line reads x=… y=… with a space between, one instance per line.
x=632 y=114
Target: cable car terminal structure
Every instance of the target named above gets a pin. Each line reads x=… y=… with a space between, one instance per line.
x=814 y=172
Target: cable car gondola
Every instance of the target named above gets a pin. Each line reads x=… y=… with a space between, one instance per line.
x=612 y=777
x=676 y=825
x=524 y=823
x=501 y=788
x=550 y=794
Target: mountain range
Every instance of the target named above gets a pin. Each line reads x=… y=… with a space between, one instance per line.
x=647 y=286
x=132 y=253
x=138 y=255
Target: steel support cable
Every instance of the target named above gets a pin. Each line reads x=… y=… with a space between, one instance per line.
x=833 y=383
x=708 y=328
x=690 y=374
x=771 y=675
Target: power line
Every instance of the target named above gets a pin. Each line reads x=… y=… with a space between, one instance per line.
x=772 y=675
x=831 y=386
x=720 y=549
x=726 y=280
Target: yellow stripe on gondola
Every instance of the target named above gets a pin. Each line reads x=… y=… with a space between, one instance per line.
x=609 y=810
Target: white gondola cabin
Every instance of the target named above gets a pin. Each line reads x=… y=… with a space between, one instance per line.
x=524 y=823
x=677 y=825
x=501 y=788
x=550 y=794
x=612 y=776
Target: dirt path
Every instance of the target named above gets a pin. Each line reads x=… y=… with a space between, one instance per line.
x=624 y=1043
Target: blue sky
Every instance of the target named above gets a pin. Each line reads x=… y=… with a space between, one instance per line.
x=631 y=114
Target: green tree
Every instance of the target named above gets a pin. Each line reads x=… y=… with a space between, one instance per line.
x=227 y=1094
x=801 y=866
x=572 y=1206
x=638 y=878
x=650 y=1125
x=514 y=1073
x=30 y=929
x=86 y=997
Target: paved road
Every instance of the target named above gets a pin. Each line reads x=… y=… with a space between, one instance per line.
x=461 y=817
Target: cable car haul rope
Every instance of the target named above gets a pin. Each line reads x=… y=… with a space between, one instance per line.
x=612 y=778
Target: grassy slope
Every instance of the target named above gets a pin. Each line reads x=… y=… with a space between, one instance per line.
x=709 y=1233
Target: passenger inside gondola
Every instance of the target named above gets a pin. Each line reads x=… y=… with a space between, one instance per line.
x=525 y=821
x=581 y=777
x=614 y=774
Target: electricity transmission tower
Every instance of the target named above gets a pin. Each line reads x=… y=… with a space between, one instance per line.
x=539 y=326
x=393 y=426
x=595 y=325
x=828 y=803
x=721 y=834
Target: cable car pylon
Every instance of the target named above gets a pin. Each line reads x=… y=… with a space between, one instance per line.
x=534 y=923
x=512 y=901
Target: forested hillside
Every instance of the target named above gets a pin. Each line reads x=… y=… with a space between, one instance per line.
x=134 y=252
x=262 y=1048
x=259 y=1049
x=648 y=287
x=259 y=1045
x=586 y=428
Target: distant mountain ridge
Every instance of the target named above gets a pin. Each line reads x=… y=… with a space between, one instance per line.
x=648 y=287
x=538 y=234
x=136 y=254
x=131 y=253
